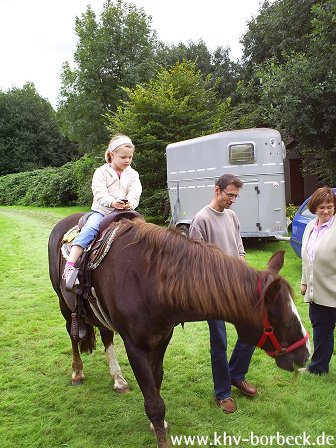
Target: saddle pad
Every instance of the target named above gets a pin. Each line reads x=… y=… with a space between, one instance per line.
x=71 y=234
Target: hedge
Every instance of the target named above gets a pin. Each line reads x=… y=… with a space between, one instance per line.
x=69 y=185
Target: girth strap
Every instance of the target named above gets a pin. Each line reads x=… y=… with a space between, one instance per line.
x=98 y=310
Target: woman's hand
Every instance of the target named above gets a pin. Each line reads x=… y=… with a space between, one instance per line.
x=303 y=289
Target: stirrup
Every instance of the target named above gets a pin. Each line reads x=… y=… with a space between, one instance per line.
x=74 y=330
x=71 y=282
x=78 y=329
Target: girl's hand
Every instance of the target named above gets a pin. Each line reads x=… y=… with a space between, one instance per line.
x=119 y=204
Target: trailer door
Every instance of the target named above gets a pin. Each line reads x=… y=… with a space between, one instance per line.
x=247 y=207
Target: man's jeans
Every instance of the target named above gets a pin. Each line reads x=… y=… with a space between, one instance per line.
x=222 y=370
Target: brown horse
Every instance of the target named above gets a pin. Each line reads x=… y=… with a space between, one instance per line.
x=154 y=278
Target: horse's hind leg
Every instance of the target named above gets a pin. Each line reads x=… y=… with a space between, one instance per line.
x=77 y=366
x=120 y=384
x=154 y=404
x=77 y=377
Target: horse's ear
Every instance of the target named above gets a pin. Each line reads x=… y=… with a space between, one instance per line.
x=271 y=290
x=276 y=261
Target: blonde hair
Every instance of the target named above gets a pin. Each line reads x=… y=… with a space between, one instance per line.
x=109 y=152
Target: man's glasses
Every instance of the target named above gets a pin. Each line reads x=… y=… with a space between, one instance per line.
x=231 y=195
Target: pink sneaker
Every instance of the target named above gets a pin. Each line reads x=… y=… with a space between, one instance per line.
x=67 y=276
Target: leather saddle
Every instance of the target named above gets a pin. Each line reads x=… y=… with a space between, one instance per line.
x=115 y=216
x=90 y=256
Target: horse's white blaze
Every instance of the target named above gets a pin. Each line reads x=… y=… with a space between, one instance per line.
x=115 y=370
x=304 y=331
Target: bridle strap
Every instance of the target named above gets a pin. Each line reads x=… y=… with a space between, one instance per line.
x=269 y=334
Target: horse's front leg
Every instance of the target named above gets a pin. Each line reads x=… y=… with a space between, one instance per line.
x=77 y=377
x=120 y=384
x=156 y=360
x=154 y=404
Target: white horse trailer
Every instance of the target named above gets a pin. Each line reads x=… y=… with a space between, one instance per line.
x=255 y=155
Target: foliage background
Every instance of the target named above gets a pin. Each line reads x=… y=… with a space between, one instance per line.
x=29 y=133
x=126 y=80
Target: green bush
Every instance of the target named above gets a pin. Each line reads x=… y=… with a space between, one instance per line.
x=70 y=185
x=83 y=170
x=14 y=187
x=52 y=187
x=290 y=211
x=155 y=203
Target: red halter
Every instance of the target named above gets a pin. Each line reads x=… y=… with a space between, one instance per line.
x=269 y=334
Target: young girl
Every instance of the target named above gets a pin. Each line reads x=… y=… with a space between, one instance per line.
x=112 y=184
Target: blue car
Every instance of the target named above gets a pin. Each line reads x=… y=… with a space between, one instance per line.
x=300 y=220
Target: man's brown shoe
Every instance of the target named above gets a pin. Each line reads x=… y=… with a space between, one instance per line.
x=245 y=388
x=227 y=405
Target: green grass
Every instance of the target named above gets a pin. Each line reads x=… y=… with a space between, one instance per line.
x=39 y=407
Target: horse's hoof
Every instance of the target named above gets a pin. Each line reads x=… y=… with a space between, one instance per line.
x=77 y=381
x=122 y=390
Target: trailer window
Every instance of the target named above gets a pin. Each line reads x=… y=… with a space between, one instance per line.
x=242 y=153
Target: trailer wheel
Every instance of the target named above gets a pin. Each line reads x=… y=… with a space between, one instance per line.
x=184 y=229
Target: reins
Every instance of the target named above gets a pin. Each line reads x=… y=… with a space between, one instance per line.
x=269 y=334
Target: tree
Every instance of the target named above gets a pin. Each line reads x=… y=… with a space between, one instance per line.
x=29 y=133
x=177 y=105
x=300 y=95
x=289 y=81
x=224 y=73
x=280 y=28
x=113 y=53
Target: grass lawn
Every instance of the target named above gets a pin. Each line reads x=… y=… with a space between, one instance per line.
x=39 y=408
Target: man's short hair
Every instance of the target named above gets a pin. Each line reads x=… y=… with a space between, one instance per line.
x=228 y=179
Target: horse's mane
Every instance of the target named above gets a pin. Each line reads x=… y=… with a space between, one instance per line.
x=194 y=275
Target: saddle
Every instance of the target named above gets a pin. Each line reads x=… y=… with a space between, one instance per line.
x=84 y=292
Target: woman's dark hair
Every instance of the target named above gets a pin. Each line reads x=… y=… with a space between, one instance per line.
x=323 y=194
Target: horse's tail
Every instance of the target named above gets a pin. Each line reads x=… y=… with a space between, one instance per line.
x=88 y=344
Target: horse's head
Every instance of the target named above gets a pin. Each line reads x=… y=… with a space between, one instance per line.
x=282 y=334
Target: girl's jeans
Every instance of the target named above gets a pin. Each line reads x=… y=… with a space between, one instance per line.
x=89 y=231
